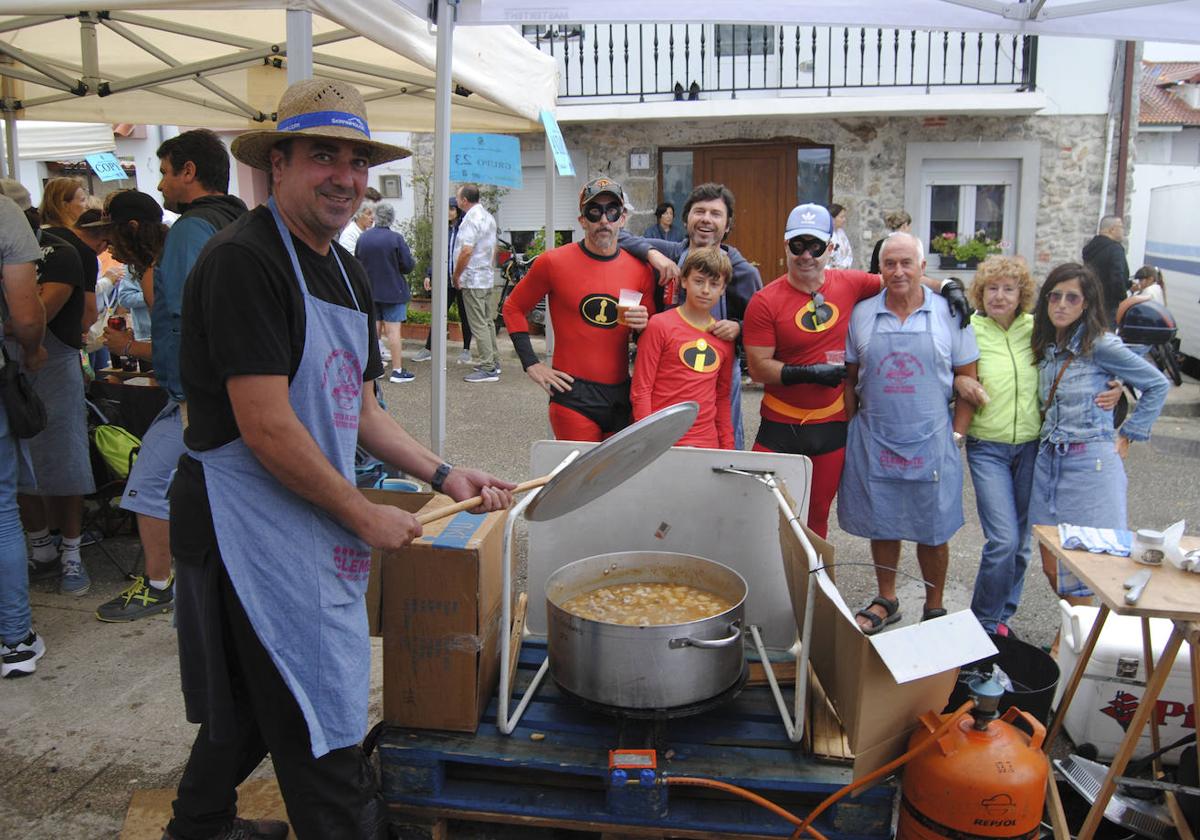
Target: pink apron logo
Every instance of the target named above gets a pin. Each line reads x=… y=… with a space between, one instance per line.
x=897 y=369
x=343 y=378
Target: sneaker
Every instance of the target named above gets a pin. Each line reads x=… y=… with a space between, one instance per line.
x=90 y=536
x=464 y=358
x=401 y=376
x=138 y=601
x=75 y=580
x=483 y=376
x=21 y=659
x=422 y=355
x=44 y=570
x=241 y=829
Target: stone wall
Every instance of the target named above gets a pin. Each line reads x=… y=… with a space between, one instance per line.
x=869 y=155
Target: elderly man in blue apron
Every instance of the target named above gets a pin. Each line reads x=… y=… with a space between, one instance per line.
x=272 y=541
x=903 y=477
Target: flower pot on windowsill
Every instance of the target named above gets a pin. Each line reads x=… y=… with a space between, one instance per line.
x=948 y=262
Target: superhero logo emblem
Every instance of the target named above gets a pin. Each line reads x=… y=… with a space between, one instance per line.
x=700 y=356
x=599 y=311
x=815 y=318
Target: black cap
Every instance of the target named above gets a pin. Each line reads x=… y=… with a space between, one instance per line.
x=128 y=206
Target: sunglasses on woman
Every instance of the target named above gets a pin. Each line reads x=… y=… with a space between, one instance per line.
x=1072 y=298
x=814 y=247
x=612 y=212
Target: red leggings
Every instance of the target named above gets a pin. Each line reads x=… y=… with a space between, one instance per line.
x=569 y=424
x=827 y=472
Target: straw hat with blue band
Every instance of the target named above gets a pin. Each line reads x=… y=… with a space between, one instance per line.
x=318 y=108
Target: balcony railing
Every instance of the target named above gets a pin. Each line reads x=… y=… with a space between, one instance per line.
x=684 y=60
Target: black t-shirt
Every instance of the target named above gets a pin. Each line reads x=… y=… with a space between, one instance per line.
x=87 y=257
x=60 y=264
x=243 y=314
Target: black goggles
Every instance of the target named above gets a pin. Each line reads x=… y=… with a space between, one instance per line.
x=594 y=212
x=800 y=244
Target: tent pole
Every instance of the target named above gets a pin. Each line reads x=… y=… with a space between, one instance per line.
x=10 y=145
x=441 y=233
x=299 y=46
x=551 y=239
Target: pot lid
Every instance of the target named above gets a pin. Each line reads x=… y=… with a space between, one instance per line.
x=612 y=463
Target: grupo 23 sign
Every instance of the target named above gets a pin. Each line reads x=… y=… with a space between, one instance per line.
x=486 y=159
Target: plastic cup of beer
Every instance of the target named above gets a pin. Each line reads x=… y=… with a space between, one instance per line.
x=835 y=357
x=628 y=298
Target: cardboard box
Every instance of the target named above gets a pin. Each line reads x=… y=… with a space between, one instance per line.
x=441 y=628
x=879 y=684
x=411 y=502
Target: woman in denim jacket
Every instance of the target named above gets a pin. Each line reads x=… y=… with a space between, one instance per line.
x=1079 y=478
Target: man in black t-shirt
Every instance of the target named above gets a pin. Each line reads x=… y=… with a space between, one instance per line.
x=277 y=343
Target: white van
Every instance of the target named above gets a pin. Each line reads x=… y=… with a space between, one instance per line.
x=1173 y=245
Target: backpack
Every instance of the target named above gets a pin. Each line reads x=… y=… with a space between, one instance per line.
x=118 y=447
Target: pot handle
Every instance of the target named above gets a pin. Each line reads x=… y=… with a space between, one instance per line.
x=688 y=641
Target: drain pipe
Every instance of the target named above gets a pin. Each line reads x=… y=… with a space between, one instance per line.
x=1126 y=127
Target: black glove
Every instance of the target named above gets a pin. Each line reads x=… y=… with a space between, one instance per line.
x=956 y=299
x=828 y=375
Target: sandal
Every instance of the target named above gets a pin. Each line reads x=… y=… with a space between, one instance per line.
x=876 y=622
x=936 y=612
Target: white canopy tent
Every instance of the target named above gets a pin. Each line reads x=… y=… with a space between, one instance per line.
x=39 y=140
x=224 y=63
x=220 y=63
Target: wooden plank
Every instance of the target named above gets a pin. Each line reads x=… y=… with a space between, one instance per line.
x=1171 y=593
x=1054 y=806
x=150 y=809
x=824 y=733
x=534 y=821
x=785 y=673
x=517 y=631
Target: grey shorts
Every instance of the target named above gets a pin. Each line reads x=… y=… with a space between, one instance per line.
x=146 y=489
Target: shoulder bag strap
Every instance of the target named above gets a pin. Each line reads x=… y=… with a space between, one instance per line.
x=1054 y=387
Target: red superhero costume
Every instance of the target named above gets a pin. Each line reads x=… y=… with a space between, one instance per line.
x=807 y=419
x=589 y=343
x=678 y=362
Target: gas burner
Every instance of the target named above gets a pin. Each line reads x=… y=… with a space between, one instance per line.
x=688 y=710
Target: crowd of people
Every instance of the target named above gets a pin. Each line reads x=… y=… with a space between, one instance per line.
x=264 y=328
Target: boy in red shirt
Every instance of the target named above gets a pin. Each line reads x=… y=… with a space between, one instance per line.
x=679 y=359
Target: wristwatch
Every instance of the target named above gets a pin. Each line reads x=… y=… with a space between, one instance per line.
x=439 y=476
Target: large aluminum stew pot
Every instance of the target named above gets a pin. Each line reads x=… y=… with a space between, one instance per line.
x=651 y=667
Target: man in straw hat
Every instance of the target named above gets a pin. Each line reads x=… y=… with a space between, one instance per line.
x=272 y=541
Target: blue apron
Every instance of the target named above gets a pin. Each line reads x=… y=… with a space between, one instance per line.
x=299 y=574
x=721 y=312
x=903 y=476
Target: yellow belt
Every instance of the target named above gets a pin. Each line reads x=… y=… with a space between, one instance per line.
x=804 y=415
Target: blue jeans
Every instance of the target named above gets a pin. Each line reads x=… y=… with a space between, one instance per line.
x=15 y=615
x=1003 y=478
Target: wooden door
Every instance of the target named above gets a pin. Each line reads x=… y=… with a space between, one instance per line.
x=763 y=182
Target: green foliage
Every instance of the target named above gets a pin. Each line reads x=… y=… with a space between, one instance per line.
x=976 y=247
x=537 y=245
x=418 y=316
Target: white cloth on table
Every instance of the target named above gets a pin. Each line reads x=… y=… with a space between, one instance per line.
x=1115 y=541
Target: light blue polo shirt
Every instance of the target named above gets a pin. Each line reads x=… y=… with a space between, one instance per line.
x=955 y=346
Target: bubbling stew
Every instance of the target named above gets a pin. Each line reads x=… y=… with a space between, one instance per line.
x=642 y=604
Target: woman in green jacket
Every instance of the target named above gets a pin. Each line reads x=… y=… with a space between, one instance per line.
x=1001 y=432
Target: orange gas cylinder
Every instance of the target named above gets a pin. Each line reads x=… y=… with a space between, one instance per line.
x=985 y=778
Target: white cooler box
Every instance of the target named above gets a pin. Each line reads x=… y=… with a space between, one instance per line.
x=1105 y=701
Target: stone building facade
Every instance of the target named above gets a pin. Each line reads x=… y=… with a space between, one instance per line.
x=869 y=165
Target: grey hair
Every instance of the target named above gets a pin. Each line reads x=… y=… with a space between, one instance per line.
x=364 y=208
x=385 y=214
x=1107 y=222
x=896 y=235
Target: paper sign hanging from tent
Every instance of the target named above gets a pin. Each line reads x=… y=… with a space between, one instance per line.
x=106 y=166
x=486 y=159
x=562 y=158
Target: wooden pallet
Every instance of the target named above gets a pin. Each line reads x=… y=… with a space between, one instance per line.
x=553 y=771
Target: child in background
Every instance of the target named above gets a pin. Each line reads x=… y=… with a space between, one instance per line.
x=679 y=360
